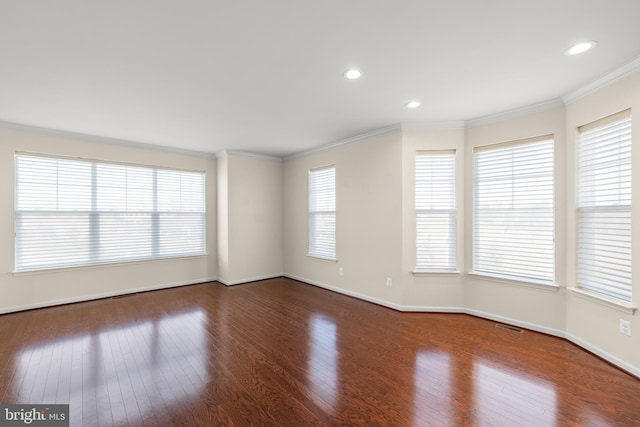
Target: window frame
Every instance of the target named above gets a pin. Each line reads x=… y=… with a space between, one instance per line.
x=509 y=274
x=317 y=238
x=88 y=207
x=425 y=189
x=613 y=212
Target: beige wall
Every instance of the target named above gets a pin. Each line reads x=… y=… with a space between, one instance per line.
x=590 y=321
x=223 y=216
x=433 y=291
x=543 y=306
x=250 y=203
x=368 y=219
x=26 y=290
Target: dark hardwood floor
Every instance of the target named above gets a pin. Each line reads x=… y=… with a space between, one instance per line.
x=282 y=353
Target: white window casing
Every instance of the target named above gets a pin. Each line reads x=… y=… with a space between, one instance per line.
x=76 y=212
x=322 y=213
x=513 y=218
x=603 y=202
x=435 y=200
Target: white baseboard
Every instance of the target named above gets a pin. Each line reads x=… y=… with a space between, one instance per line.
x=633 y=370
x=346 y=292
x=428 y=309
x=249 y=279
x=105 y=295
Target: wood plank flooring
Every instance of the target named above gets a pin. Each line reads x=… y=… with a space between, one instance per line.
x=283 y=353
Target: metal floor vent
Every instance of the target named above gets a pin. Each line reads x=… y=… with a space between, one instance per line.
x=124 y=296
x=509 y=328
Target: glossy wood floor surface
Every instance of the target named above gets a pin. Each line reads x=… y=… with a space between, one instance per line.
x=283 y=353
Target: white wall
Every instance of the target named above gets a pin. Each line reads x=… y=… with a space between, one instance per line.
x=26 y=290
x=250 y=203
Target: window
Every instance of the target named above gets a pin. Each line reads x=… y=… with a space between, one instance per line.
x=513 y=210
x=436 y=210
x=322 y=213
x=604 y=207
x=72 y=212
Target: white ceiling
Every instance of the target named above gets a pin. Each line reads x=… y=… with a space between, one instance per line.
x=266 y=76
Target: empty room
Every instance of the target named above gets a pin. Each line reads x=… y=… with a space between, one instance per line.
x=291 y=213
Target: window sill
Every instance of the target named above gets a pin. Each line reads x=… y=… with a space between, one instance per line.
x=322 y=258
x=532 y=283
x=605 y=301
x=100 y=265
x=434 y=272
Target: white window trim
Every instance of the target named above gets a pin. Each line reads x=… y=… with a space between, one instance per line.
x=452 y=212
x=592 y=292
x=605 y=301
x=103 y=265
x=511 y=280
x=310 y=254
x=93 y=212
x=420 y=272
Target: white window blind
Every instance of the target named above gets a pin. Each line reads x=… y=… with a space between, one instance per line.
x=72 y=212
x=514 y=210
x=322 y=213
x=436 y=210
x=604 y=207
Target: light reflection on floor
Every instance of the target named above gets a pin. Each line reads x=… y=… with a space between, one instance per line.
x=323 y=363
x=432 y=379
x=116 y=366
x=501 y=393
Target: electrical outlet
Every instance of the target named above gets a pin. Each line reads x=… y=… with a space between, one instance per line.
x=389 y=281
x=340 y=271
x=625 y=327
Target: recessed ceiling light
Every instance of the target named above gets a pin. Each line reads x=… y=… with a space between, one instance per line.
x=352 y=74
x=579 y=48
x=413 y=104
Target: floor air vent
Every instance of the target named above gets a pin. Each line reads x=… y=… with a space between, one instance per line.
x=124 y=296
x=509 y=328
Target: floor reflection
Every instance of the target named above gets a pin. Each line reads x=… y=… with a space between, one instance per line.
x=432 y=379
x=501 y=394
x=127 y=367
x=323 y=363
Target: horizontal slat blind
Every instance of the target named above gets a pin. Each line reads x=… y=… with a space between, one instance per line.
x=322 y=213
x=436 y=210
x=604 y=209
x=513 y=211
x=77 y=212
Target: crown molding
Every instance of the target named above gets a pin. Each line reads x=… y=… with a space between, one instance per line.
x=515 y=113
x=101 y=139
x=438 y=125
x=225 y=153
x=351 y=140
x=607 y=79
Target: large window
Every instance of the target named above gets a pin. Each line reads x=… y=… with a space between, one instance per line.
x=436 y=210
x=604 y=207
x=322 y=213
x=513 y=210
x=71 y=212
